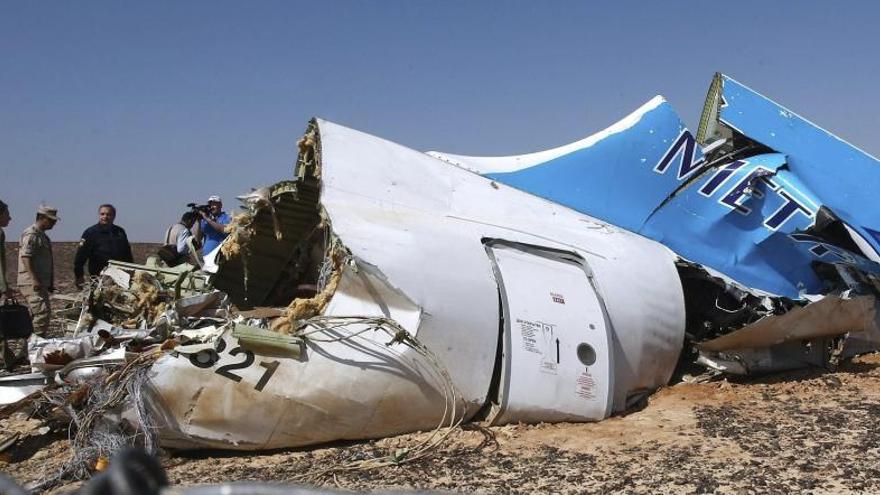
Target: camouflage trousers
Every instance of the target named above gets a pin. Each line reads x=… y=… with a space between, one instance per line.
x=14 y=350
x=8 y=348
x=41 y=309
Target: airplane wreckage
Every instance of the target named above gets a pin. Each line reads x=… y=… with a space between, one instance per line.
x=384 y=290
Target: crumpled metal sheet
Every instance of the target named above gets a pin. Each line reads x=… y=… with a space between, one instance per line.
x=828 y=317
x=55 y=353
x=843 y=176
x=13 y=388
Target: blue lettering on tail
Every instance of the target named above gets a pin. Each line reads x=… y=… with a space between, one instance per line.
x=685 y=145
x=734 y=197
x=720 y=177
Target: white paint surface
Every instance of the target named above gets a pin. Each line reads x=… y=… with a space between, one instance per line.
x=502 y=164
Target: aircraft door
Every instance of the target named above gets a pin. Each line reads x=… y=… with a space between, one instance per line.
x=556 y=349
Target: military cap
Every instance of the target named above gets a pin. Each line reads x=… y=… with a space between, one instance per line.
x=48 y=211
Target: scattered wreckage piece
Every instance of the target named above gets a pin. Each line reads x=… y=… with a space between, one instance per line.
x=92 y=376
x=14 y=388
x=818 y=334
x=828 y=317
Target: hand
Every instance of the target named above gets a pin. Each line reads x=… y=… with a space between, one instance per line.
x=203 y=214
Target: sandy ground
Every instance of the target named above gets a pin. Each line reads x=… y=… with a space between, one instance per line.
x=812 y=431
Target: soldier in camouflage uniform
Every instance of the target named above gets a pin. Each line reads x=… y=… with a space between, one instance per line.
x=5 y=290
x=35 y=267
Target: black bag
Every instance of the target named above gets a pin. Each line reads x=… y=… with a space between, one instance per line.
x=168 y=253
x=15 y=320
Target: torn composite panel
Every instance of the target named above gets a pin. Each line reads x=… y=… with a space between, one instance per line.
x=742 y=214
x=258 y=275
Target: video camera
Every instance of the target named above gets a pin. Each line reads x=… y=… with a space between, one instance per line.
x=197 y=208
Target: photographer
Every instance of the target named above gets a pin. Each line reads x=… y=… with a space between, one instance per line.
x=211 y=228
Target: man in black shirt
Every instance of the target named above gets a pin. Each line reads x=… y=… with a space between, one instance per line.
x=101 y=243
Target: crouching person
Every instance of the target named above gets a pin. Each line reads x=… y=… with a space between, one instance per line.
x=180 y=245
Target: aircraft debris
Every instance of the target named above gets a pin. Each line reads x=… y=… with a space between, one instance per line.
x=383 y=290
